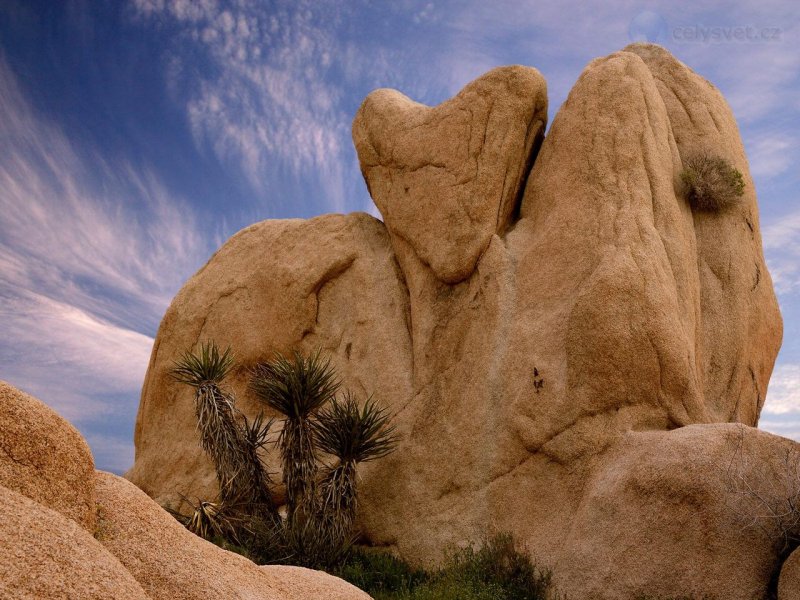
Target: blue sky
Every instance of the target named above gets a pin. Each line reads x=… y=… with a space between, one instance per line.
x=136 y=136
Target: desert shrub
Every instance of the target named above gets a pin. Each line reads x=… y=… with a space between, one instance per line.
x=317 y=529
x=498 y=563
x=711 y=183
x=495 y=571
x=380 y=574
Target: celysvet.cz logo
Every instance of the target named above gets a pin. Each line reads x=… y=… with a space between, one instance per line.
x=649 y=26
x=722 y=33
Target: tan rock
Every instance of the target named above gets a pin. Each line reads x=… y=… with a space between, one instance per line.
x=47 y=555
x=300 y=582
x=299 y=294
x=171 y=563
x=533 y=368
x=679 y=514
x=458 y=168
x=789 y=583
x=43 y=457
x=741 y=328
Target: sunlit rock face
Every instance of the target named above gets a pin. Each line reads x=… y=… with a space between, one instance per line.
x=565 y=343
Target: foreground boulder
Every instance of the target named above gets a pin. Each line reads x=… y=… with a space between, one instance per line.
x=558 y=374
x=44 y=458
x=127 y=547
x=145 y=537
x=46 y=555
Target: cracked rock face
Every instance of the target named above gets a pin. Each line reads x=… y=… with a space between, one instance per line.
x=449 y=177
x=548 y=336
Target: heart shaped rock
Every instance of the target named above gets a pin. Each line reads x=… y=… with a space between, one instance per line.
x=447 y=178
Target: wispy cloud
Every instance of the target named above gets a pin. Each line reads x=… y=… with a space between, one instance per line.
x=264 y=94
x=781 y=413
x=68 y=357
x=781 y=239
x=783 y=395
x=91 y=252
x=771 y=153
x=76 y=227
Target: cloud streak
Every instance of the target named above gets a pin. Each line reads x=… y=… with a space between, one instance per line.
x=263 y=96
x=91 y=252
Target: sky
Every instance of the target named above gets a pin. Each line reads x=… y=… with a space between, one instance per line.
x=136 y=136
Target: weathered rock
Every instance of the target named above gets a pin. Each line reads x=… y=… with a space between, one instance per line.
x=530 y=380
x=447 y=178
x=740 y=328
x=679 y=514
x=47 y=555
x=301 y=292
x=44 y=458
x=789 y=583
x=171 y=563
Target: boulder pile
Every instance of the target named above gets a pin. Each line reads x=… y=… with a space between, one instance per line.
x=572 y=351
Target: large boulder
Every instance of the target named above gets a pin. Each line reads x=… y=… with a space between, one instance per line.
x=592 y=318
x=46 y=555
x=171 y=563
x=43 y=457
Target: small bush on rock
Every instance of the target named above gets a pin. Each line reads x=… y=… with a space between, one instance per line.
x=711 y=183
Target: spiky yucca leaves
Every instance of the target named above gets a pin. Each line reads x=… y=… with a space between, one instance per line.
x=352 y=435
x=209 y=366
x=296 y=388
x=220 y=436
x=233 y=449
x=212 y=519
x=256 y=482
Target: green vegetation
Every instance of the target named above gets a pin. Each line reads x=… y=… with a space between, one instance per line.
x=320 y=509
x=711 y=183
x=495 y=571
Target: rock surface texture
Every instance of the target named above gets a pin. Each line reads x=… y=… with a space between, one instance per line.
x=44 y=458
x=129 y=548
x=789 y=585
x=571 y=352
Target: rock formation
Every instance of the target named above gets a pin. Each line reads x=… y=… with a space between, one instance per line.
x=66 y=534
x=571 y=352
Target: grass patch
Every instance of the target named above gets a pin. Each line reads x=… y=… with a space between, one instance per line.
x=495 y=571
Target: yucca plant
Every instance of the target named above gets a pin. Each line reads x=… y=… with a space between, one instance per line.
x=233 y=449
x=211 y=520
x=352 y=435
x=296 y=388
x=214 y=409
x=320 y=515
x=256 y=482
